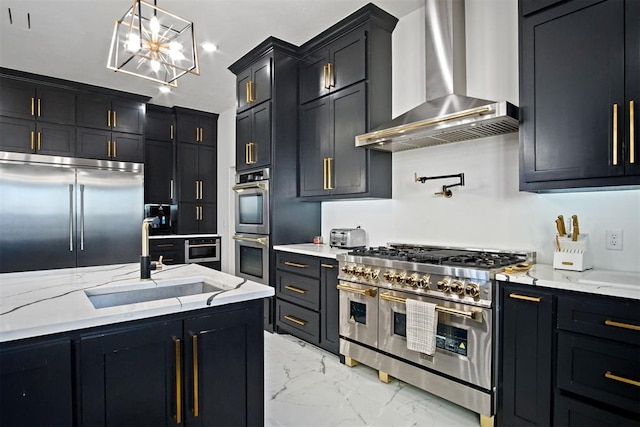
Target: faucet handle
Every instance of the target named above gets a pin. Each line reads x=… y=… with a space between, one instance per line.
x=159 y=263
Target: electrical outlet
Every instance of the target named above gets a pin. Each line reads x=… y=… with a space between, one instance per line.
x=614 y=240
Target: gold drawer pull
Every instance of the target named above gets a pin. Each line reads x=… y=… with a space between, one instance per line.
x=609 y=375
x=294 y=289
x=327 y=265
x=165 y=245
x=622 y=325
x=296 y=320
x=525 y=298
x=295 y=264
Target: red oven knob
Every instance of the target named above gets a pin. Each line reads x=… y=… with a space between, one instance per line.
x=473 y=290
x=457 y=287
x=443 y=285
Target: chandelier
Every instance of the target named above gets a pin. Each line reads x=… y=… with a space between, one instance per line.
x=154 y=44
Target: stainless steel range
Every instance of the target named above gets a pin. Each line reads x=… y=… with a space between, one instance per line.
x=374 y=286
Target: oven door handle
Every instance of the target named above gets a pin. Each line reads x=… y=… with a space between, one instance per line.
x=260 y=185
x=262 y=240
x=474 y=315
x=371 y=292
x=204 y=245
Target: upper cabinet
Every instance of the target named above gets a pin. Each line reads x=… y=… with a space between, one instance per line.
x=160 y=127
x=253 y=137
x=253 y=84
x=110 y=113
x=196 y=127
x=579 y=92
x=345 y=90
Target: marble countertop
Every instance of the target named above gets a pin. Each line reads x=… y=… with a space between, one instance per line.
x=184 y=236
x=323 y=251
x=601 y=282
x=36 y=303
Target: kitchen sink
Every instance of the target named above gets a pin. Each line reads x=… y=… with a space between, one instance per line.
x=102 y=298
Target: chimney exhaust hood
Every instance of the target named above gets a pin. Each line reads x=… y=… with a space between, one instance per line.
x=448 y=115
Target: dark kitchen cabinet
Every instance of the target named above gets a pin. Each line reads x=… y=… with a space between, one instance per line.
x=253 y=137
x=345 y=90
x=159 y=182
x=197 y=218
x=331 y=68
x=527 y=346
x=307 y=299
x=197 y=370
x=171 y=250
x=110 y=113
x=196 y=127
x=36 y=383
x=107 y=145
x=253 y=84
x=579 y=87
x=36 y=118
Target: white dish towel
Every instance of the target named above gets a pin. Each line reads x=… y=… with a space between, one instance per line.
x=422 y=324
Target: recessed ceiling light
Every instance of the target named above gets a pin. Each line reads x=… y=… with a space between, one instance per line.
x=209 y=47
x=165 y=89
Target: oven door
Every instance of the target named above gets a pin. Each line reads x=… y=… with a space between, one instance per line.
x=252 y=207
x=463 y=339
x=252 y=257
x=359 y=313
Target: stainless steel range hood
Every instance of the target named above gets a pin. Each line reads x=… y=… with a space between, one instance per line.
x=448 y=115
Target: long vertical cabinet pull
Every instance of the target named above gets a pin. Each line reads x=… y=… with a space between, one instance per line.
x=196 y=372
x=171 y=132
x=109 y=148
x=615 y=134
x=82 y=217
x=70 y=217
x=632 y=133
x=39 y=139
x=324 y=173
x=329 y=175
x=171 y=189
x=32 y=140
x=331 y=81
x=33 y=100
x=38 y=107
x=115 y=123
x=247 y=96
x=176 y=345
x=115 y=145
x=109 y=118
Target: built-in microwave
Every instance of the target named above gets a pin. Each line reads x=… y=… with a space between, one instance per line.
x=202 y=249
x=252 y=202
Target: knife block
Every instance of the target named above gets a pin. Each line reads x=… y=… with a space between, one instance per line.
x=574 y=256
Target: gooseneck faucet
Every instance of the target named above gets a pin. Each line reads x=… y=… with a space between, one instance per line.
x=146 y=265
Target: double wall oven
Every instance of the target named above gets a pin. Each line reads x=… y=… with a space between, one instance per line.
x=375 y=284
x=252 y=225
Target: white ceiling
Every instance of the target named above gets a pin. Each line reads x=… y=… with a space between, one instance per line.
x=70 y=39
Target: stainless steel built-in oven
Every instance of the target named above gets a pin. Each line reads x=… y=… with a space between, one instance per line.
x=204 y=249
x=252 y=202
x=252 y=257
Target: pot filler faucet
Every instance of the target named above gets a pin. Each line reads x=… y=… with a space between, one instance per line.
x=146 y=265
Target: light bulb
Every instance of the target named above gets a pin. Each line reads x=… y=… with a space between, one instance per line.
x=155 y=65
x=154 y=24
x=165 y=89
x=133 y=43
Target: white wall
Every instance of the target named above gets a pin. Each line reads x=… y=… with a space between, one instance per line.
x=226 y=179
x=488 y=211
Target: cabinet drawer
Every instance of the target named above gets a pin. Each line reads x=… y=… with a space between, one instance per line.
x=574 y=413
x=298 y=321
x=604 y=370
x=166 y=244
x=611 y=318
x=301 y=264
x=301 y=290
x=169 y=257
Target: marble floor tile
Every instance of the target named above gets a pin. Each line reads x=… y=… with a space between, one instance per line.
x=307 y=386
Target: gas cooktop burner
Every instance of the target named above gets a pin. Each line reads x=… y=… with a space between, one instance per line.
x=441 y=256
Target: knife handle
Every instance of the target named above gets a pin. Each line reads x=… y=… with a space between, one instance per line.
x=561 y=228
x=576 y=228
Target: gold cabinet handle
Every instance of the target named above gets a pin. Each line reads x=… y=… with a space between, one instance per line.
x=109 y=148
x=201 y=135
x=611 y=376
x=615 y=134
x=109 y=118
x=330 y=73
x=246 y=153
x=329 y=174
x=294 y=289
x=246 y=92
x=39 y=139
x=632 y=133
x=115 y=122
x=622 y=325
x=165 y=245
x=296 y=320
x=38 y=107
x=295 y=264
x=525 y=298
x=371 y=292
x=197 y=189
x=194 y=349
x=171 y=131
x=32 y=106
x=176 y=345
x=171 y=189
x=327 y=266
x=324 y=174
x=324 y=77
x=115 y=148
x=32 y=140
x=251 y=97
x=197 y=135
x=201 y=189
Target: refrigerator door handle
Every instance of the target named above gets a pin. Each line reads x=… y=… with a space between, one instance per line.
x=70 y=217
x=82 y=217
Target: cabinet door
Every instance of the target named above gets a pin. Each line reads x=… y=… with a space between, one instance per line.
x=131 y=376
x=348 y=60
x=94 y=111
x=93 y=143
x=127 y=147
x=128 y=116
x=225 y=352
x=207 y=167
x=188 y=218
x=574 y=413
x=35 y=384
x=242 y=89
x=55 y=140
x=208 y=218
x=243 y=138
x=313 y=76
x=17 y=99
x=261 y=138
x=632 y=85
x=17 y=135
x=567 y=105
x=158 y=172
x=261 y=81
x=527 y=356
x=329 y=304
x=55 y=105
x=159 y=126
x=349 y=163
x=208 y=131
x=188 y=129
x=187 y=167
x=315 y=143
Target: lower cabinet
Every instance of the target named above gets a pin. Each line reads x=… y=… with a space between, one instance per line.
x=307 y=299
x=568 y=358
x=36 y=383
x=171 y=250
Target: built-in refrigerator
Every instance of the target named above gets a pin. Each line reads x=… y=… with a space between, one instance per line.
x=58 y=212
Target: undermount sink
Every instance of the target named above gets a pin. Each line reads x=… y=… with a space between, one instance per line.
x=102 y=298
